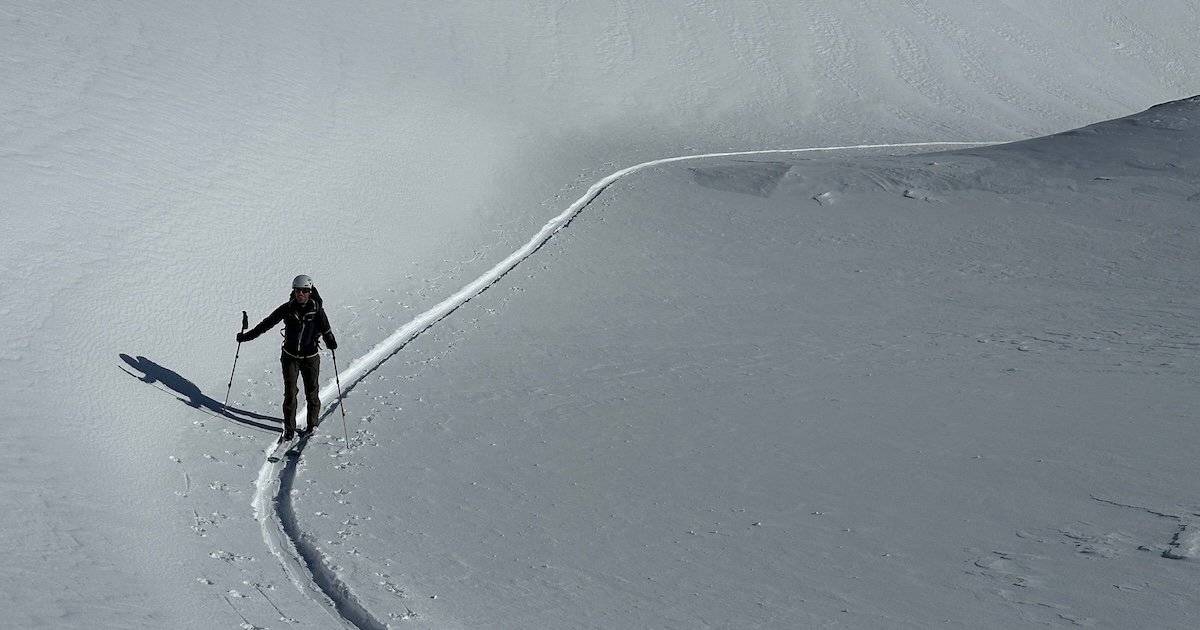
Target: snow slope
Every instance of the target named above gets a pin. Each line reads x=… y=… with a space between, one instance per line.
x=941 y=397
x=168 y=165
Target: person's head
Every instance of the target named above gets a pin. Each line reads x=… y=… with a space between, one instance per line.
x=302 y=288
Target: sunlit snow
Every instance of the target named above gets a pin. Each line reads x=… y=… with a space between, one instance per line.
x=695 y=315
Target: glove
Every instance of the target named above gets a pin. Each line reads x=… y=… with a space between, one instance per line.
x=330 y=342
x=241 y=337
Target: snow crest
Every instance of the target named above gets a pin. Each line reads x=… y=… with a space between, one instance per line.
x=1186 y=545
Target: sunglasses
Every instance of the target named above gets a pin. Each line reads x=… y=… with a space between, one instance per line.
x=303 y=290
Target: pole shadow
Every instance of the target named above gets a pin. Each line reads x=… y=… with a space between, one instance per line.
x=189 y=394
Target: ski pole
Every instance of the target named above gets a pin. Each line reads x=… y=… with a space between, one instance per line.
x=338 y=379
x=245 y=325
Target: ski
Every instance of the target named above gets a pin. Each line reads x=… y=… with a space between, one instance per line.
x=301 y=439
x=281 y=447
x=289 y=448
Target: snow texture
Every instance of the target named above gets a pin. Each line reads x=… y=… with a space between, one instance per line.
x=688 y=315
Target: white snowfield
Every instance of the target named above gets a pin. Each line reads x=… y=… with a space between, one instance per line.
x=682 y=316
x=304 y=565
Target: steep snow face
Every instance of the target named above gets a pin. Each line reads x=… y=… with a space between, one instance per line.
x=167 y=165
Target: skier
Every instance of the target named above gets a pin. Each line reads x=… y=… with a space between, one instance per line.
x=304 y=323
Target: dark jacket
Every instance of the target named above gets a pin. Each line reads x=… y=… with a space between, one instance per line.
x=303 y=327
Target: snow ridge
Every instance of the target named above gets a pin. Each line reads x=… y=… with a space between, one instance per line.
x=304 y=564
x=1185 y=545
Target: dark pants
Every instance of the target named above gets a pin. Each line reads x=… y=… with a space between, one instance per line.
x=309 y=368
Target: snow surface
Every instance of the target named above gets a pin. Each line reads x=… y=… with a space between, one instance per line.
x=873 y=387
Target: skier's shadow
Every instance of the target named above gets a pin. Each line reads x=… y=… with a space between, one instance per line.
x=190 y=395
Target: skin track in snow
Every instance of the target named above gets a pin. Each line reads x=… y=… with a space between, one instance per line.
x=304 y=564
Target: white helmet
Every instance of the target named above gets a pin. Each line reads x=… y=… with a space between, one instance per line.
x=302 y=282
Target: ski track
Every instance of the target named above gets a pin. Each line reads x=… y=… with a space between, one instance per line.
x=302 y=561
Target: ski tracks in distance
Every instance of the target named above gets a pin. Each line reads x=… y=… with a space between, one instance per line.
x=304 y=564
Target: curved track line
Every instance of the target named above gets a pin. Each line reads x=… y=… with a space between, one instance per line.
x=304 y=564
